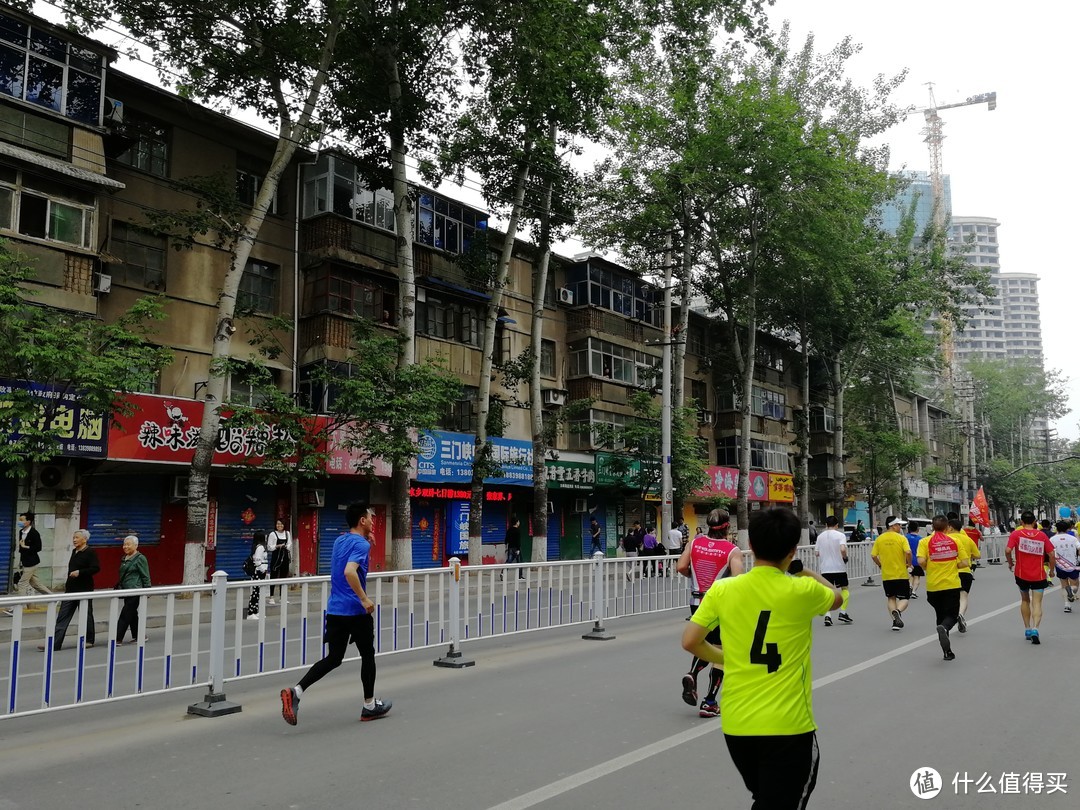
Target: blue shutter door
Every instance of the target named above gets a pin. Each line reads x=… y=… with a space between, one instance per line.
x=119 y=505
x=8 y=530
x=243 y=508
x=424 y=545
x=332 y=523
x=496 y=519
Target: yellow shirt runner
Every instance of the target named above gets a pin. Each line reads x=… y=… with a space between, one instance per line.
x=892 y=549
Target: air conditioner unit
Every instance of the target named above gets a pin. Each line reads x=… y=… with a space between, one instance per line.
x=114 y=111
x=104 y=283
x=566 y=296
x=52 y=477
x=581 y=505
x=706 y=417
x=553 y=397
x=313 y=498
x=179 y=488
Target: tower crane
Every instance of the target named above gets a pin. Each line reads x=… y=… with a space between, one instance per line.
x=934 y=137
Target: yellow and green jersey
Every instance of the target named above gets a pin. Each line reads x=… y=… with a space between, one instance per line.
x=892 y=549
x=764 y=618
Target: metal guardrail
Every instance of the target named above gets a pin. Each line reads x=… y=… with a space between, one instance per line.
x=201 y=635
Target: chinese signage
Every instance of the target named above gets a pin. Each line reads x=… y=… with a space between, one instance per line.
x=457 y=529
x=78 y=432
x=613 y=469
x=570 y=474
x=167 y=429
x=451 y=494
x=448 y=457
x=342 y=460
x=781 y=488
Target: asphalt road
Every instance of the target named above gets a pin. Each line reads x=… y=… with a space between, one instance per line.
x=550 y=720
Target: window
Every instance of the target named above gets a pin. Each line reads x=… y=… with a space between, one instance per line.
x=142 y=257
x=584 y=435
x=149 y=149
x=50 y=72
x=448 y=319
x=599 y=358
x=248 y=384
x=699 y=392
x=258 y=288
x=333 y=184
x=249 y=179
x=603 y=287
x=770 y=356
x=447 y=225
x=822 y=419
x=770 y=404
x=336 y=289
x=463 y=415
x=763 y=455
x=547 y=358
x=46 y=209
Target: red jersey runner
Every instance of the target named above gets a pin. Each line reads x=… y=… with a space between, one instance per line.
x=1030 y=545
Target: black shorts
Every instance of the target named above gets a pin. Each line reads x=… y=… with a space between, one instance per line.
x=916 y=571
x=965 y=582
x=779 y=771
x=897 y=588
x=1026 y=585
x=839 y=580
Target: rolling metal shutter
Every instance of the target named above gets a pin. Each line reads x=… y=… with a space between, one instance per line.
x=243 y=508
x=8 y=530
x=119 y=505
x=339 y=494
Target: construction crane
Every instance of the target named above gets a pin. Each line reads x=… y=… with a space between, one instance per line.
x=934 y=137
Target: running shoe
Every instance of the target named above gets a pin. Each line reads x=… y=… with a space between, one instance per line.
x=828 y=621
x=709 y=708
x=914 y=595
x=950 y=656
x=845 y=618
x=943 y=639
x=290 y=705
x=897 y=624
x=897 y=620
x=1068 y=609
x=1027 y=633
x=961 y=624
x=380 y=709
x=1035 y=637
x=689 y=690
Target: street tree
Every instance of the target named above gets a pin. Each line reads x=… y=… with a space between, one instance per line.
x=73 y=356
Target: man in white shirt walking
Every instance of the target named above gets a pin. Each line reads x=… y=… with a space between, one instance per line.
x=832 y=562
x=673 y=543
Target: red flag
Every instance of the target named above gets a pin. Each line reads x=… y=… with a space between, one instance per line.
x=980 y=509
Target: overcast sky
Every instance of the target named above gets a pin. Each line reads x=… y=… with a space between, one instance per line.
x=1017 y=163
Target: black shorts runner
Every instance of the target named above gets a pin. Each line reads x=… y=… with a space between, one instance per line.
x=916 y=571
x=838 y=579
x=965 y=582
x=897 y=588
x=1027 y=585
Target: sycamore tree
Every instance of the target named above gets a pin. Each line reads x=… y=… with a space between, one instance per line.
x=273 y=59
x=69 y=353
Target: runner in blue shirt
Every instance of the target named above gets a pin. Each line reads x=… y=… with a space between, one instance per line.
x=348 y=617
x=917 y=572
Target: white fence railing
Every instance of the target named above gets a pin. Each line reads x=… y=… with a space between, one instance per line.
x=200 y=635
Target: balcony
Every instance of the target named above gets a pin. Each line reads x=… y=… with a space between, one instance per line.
x=598 y=390
x=334 y=237
x=581 y=323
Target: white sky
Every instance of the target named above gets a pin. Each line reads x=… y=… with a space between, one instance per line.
x=1013 y=164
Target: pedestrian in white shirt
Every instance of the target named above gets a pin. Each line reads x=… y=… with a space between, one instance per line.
x=832 y=563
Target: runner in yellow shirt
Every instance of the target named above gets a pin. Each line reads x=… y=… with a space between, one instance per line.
x=940 y=555
x=892 y=554
x=967 y=545
x=764 y=617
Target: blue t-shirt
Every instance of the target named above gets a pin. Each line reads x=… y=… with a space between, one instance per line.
x=913 y=540
x=343 y=600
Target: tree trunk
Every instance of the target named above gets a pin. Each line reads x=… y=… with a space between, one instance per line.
x=404 y=222
x=482 y=450
x=746 y=358
x=289 y=134
x=901 y=508
x=678 y=398
x=536 y=413
x=804 y=441
x=839 y=471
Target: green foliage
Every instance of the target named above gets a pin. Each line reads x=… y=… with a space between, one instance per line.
x=74 y=352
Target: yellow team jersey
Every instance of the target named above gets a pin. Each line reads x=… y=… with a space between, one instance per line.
x=892 y=549
x=764 y=617
x=941 y=552
x=967 y=548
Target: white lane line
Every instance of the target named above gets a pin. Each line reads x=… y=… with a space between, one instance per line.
x=574 y=781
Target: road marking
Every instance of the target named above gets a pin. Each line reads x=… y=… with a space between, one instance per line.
x=543 y=794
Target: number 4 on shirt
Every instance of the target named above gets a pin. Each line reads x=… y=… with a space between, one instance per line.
x=760 y=652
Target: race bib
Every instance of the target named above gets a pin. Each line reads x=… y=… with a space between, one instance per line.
x=1029 y=545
